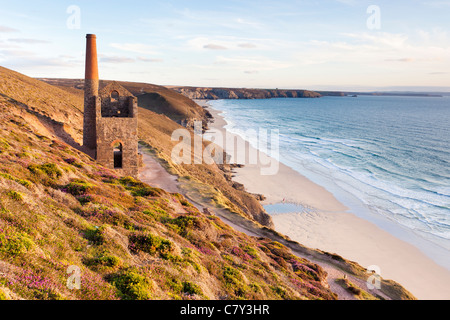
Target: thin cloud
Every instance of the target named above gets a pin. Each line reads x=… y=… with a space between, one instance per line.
x=116 y=59
x=247 y=45
x=7 y=29
x=134 y=47
x=401 y=60
x=149 y=59
x=212 y=46
x=21 y=58
x=437 y=4
x=394 y=40
x=258 y=63
x=29 y=41
x=348 y=2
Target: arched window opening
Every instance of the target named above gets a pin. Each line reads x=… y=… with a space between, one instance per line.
x=114 y=96
x=118 y=155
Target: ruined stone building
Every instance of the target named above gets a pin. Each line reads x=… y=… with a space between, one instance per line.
x=110 y=119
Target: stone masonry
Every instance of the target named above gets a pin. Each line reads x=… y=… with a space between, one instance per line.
x=110 y=119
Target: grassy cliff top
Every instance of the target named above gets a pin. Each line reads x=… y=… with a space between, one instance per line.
x=60 y=208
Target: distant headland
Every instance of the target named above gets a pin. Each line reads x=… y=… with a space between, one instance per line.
x=210 y=93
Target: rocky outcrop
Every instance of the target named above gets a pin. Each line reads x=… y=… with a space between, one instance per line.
x=242 y=93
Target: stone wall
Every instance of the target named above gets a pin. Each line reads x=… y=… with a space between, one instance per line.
x=118 y=130
x=113 y=128
x=89 y=126
x=116 y=101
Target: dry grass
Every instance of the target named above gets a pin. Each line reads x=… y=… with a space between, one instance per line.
x=124 y=235
x=59 y=208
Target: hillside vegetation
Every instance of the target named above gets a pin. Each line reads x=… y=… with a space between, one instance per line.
x=59 y=209
x=160 y=112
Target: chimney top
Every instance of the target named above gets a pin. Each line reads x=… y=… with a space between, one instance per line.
x=91 y=57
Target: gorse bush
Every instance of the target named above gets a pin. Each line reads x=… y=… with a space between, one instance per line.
x=149 y=243
x=77 y=188
x=132 y=285
x=50 y=169
x=234 y=281
x=15 y=195
x=139 y=188
x=104 y=260
x=95 y=235
x=13 y=243
x=23 y=182
x=184 y=223
x=191 y=288
x=3 y=295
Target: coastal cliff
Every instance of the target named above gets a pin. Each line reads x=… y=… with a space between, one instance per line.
x=242 y=93
x=59 y=208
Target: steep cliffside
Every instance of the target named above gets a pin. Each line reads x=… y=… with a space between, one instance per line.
x=241 y=93
x=152 y=97
x=60 y=208
x=160 y=114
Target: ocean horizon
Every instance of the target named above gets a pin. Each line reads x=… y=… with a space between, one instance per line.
x=386 y=158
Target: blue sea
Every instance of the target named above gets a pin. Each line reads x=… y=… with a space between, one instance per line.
x=387 y=158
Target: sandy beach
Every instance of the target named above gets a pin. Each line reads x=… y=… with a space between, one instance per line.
x=329 y=226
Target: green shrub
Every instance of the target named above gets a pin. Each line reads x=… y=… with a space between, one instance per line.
x=109 y=261
x=171 y=257
x=85 y=198
x=77 y=188
x=234 y=281
x=231 y=275
x=184 y=223
x=23 y=182
x=187 y=252
x=182 y=199
x=14 y=243
x=145 y=192
x=251 y=251
x=3 y=295
x=279 y=291
x=95 y=235
x=129 y=182
x=132 y=285
x=138 y=188
x=150 y=244
x=4 y=145
x=15 y=195
x=174 y=285
x=50 y=169
x=192 y=288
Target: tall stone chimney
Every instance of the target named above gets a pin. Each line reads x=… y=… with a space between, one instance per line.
x=91 y=83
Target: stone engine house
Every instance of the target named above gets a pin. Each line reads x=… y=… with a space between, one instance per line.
x=110 y=119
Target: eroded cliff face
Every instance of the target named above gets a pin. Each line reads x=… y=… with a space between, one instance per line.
x=240 y=93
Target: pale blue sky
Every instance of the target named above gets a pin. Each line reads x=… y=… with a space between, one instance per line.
x=286 y=44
